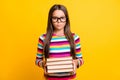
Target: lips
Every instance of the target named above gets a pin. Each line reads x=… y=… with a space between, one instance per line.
x=58 y=25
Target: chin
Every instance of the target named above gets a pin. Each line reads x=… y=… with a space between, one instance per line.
x=59 y=27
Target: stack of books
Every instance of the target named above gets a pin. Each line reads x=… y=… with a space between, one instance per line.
x=58 y=65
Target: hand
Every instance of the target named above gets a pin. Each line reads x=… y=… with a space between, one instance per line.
x=75 y=63
x=44 y=67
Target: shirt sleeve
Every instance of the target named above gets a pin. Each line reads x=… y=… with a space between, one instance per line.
x=78 y=50
x=39 y=55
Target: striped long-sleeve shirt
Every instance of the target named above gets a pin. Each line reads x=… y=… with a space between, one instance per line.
x=59 y=47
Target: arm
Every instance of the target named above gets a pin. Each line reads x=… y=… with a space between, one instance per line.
x=39 y=55
x=78 y=51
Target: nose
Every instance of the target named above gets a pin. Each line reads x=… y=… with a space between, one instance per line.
x=58 y=21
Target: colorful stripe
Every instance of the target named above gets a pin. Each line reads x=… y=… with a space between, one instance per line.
x=59 y=47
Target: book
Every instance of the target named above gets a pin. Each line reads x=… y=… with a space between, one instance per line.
x=63 y=74
x=58 y=65
x=59 y=62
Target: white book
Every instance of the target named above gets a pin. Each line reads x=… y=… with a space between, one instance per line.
x=60 y=66
x=59 y=62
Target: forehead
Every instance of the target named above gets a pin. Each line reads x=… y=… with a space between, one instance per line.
x=58 y=13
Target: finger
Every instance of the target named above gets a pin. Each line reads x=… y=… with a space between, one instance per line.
x=45 y=70
x=73 y=64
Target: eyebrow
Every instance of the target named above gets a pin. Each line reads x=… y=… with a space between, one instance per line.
x=57 y=16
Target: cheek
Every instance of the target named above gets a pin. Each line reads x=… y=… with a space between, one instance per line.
x=64 y=24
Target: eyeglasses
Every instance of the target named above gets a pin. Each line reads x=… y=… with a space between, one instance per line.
x=62 y=19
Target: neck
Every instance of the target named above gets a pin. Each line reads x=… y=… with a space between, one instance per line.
x=58 y=32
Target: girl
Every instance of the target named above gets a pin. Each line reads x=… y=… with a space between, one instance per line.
x=59 y=41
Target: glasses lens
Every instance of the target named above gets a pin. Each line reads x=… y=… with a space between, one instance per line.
x=54 y=19
x=63 y=19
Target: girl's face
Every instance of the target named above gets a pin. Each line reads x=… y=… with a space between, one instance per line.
x=58 y=20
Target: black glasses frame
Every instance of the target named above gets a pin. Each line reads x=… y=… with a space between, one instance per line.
x=59 y=18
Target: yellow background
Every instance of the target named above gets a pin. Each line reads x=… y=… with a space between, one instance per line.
x=97 y=22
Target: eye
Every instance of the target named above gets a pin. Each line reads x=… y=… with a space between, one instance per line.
x=62 y=17
x=54 y=17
